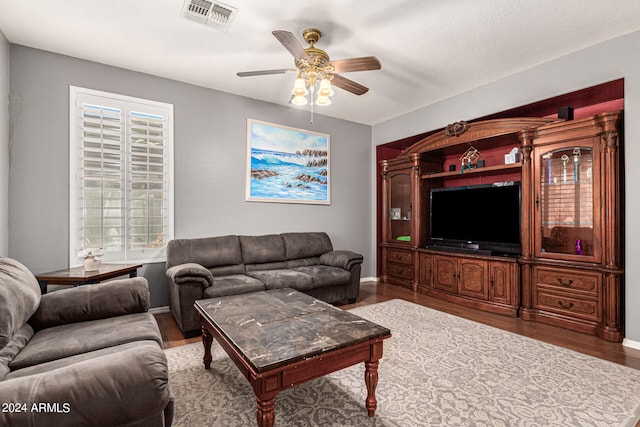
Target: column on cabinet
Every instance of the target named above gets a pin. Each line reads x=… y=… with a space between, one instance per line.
x=399 y=235
x=572 y=274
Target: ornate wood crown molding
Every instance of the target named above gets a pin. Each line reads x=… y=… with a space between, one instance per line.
x=456 y=129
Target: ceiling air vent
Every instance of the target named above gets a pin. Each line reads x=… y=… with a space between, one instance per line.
x=212 y=13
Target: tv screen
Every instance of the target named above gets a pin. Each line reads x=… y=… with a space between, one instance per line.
x=477 y=217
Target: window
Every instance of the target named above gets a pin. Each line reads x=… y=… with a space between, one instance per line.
x=121 y=176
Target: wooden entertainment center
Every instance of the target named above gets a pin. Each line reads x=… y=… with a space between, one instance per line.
x=569 y=269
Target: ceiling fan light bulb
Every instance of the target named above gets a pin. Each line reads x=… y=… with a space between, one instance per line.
x=299 y=100
x=299 y=87
x=325 y=88
x=323 y=100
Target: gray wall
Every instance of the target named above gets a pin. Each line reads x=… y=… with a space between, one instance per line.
x=4 y=145
x=210 y=152
x=601 y=63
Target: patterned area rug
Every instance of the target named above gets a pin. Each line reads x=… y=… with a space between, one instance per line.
x=437 y=370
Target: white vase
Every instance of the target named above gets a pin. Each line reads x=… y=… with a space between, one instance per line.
x=92 y=264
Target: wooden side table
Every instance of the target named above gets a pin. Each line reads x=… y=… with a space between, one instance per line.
x=77 y=276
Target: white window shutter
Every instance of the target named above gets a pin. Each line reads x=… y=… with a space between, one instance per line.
x=100 y=178
x=121 y=190
x=148 y=181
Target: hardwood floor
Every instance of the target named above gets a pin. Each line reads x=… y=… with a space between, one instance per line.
x=372 y=292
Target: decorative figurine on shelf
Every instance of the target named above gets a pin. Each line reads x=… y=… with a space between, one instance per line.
x=91 y=258
x=469 y=159
x=576 y=164
x=512 y=156
x=565 y=160
x=578 y=247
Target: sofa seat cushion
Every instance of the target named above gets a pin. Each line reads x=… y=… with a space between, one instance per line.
x=232 y=285
x=66 y=361
x=284 y=278
x=325 y=275
x=75 y=338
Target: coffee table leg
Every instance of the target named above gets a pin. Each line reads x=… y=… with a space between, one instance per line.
x=266 y=412
x=207 y=340
x=371 y=380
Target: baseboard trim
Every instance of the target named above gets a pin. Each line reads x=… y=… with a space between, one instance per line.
x=158 y=310
x=368 y=279
x=626 y=342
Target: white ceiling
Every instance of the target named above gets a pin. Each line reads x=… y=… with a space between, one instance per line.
x=429 y=49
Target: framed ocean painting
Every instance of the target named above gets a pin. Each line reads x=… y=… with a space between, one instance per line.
x=287 y=165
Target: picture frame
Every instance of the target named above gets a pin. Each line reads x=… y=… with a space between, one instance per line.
x=395 y=213
x=287 y=164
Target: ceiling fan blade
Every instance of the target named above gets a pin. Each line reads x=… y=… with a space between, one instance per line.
x=291 y=43
x=264 y=72
x=356 y=64
x=348 y=85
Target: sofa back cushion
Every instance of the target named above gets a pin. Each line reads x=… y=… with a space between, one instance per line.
x=209 y=251
x=19 y=297
x=267 y=266
x=306 y=245
x=303 y=262
x=227 y=270
x=262 y=249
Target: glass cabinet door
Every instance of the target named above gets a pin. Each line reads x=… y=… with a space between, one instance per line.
x=567 y=221
x=400 y=208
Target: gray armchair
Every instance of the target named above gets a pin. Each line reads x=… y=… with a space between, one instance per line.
x=90 y=355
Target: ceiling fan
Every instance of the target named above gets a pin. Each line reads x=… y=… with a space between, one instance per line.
x=314 y=68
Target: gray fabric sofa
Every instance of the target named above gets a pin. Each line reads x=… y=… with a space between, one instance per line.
x=228 y=265
x=86 y=356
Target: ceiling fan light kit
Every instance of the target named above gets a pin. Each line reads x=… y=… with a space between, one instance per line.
x=316 y=72
x=299 y=92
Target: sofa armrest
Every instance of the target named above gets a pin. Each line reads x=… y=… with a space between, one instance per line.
x=92 y=302
x=117 y=389
x=341 y=259
x=189 y=273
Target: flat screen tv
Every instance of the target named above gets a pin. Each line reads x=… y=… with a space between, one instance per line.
x=484 y=218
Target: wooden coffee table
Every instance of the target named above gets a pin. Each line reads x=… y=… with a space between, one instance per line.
x=281 y=338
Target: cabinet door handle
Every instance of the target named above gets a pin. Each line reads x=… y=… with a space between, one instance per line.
x=567 y=284
x=537 y=201
x=568 y=306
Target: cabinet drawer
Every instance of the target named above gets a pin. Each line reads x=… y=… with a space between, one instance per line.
x=568 y=279
x=400 y=271
x=400 y=257
x=583 y=308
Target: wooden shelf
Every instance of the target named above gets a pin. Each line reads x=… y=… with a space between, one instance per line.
x=487 y=170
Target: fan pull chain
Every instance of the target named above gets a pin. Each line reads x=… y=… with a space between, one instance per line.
x=313 y=89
